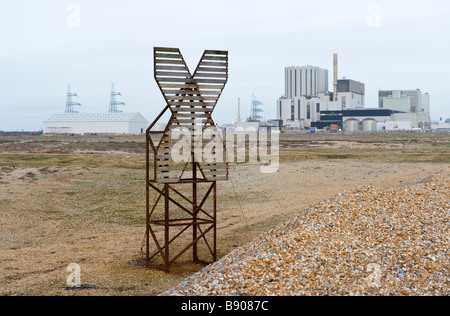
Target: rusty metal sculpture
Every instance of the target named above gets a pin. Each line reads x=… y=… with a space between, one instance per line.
x=191 y=99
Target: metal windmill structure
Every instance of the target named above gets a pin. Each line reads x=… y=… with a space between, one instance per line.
x=113 y=103
x=184 y=192
x=69 y=102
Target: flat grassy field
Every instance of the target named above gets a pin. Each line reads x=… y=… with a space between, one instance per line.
x=82 y=200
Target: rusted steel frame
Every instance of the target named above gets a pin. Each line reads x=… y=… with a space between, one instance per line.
x=206 y=197
x=174 y=238
x=187 y=222
x=192 y=83
x=155 y=176
x=215 y=221
x=150 y=141
x=191 y=244
x=166 y=228
x=161 y=249
x=147 y=199
x=165 y=133
x=148 y=225
x=184 y=168
x=196 y=225
x=156 y=204
x=189 y=201
x=171 y=200
x=206 y=241
x=157 y=119
x=194 y=209
x=167 y=224
x=186 y=181
x=201 y=171
x=158 y=246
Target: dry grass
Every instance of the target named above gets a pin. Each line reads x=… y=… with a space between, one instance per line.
x=82 y=200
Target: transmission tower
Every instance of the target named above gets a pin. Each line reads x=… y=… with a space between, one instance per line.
x=113 y=104
x=256 y=110
x=69 y=103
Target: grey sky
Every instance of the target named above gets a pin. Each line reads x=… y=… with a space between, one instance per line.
x=41 y=53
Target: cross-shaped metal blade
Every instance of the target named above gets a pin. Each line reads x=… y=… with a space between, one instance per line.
x=192 y=99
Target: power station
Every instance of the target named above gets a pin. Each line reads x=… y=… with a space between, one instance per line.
x=307 y=104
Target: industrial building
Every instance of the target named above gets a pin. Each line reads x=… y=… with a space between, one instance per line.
x=307 y=103
x=301 y=112
x=351 y=94
x=307 y=81
x=404 y=100
x=112 y=123
x=367 y=120
x=96 y=123
x=441 y=125
x=408 y=101
x=307 y=95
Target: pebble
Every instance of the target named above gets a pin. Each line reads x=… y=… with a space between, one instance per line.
x=365 y=241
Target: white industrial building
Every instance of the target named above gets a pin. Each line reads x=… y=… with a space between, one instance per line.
x=96 y=123
x=305 y=81
x=441 y=125
x=302 y=111
x=307 y=95
x=307 y=103
x=350 y=94
x=408 y=101
x=404 y=100
x=377 y=120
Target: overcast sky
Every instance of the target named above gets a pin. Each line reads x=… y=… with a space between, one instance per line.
x=48 y=44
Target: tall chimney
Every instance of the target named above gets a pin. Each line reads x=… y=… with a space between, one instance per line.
x=239 y=110
x=335 y=83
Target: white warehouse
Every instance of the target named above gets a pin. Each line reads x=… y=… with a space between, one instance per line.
x=96 y=123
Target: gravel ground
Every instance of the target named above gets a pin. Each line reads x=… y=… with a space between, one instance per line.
x=364 y=241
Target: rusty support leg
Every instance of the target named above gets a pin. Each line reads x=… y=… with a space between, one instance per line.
x=195 y=211
x=215 y=222
x=147 y=200
x=166 y=228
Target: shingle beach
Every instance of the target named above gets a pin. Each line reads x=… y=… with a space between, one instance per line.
x=364 y=241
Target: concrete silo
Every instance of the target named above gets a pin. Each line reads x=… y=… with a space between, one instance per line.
x=352 y=126
x=369 y=125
